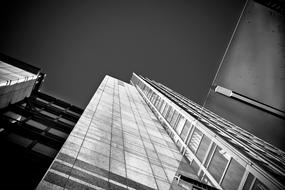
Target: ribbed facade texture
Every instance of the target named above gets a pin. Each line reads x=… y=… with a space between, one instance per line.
x=223 y=154
x=118 y=143
x=146 y=136
x=15 y=84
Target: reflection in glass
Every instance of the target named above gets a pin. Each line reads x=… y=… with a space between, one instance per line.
x=185 y=130
x=203 y=147
x=218 y=164
x=195 y=140
x=233 y=175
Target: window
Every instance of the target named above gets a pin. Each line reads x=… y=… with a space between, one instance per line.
x=195 y=167
x=195 y=140
x=43 y=101
x=74 y=113
x=45 y=150
x=156 y=100
x=165 y=110
x=203 y=147
x=58 y=133
x=162 y=106
x=150 y=93
x=17 y=139
x=209 y=154
x=218 y=163
x=174 y=118
x=67 y=121
x=248 y=182
x=57 y=106
x=169 y=115
x=156 y=103
x=180 y=125
x=49 y=114
x=258 y=185
x=14 y=116
x=233 y=175
x=36 y=124
x=185 y=130
x=153 y=97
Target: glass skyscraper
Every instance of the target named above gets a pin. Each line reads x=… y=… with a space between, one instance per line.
x=144 y=135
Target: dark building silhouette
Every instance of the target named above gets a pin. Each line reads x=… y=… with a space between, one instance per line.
x=33 y=127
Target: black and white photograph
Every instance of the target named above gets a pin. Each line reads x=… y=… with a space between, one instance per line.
x=142 y=94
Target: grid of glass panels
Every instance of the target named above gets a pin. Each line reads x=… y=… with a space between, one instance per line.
x=119 y=139
x=225 y=170
x=270 y=157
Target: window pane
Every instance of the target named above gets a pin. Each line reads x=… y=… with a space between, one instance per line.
x=218 y=164
x=248 y=182
x=162 y=107
x=43 y=149
x=195 y=167
x=17 y=139
x=185 y=130
x=159 y=104
x=36 y=124
x=49 y=114
x=14 y=116
x=233 y=176
x=154 y=97
x=156 y=104
x=169 y=115
x=149 y=94
x=165 y=110
x=209 y=154
x=203 y=147
x=195 y=140
x=174 y=118
x=58 y=133
x=180 y=124
x=258 y=185
x=67 y=121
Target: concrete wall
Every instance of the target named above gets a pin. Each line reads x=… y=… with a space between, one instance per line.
x=15 y=84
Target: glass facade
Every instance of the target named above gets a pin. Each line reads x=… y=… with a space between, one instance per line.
x=208 y=157
x=145 y=136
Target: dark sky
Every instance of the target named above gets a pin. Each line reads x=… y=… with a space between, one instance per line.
x=177 y=43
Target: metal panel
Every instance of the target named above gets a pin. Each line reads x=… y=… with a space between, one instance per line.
x=253 y=66
x=254 y=63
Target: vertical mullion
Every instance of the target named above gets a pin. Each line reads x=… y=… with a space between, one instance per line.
x=225 y=170
x=207 y=153
x=253 y=181
x=243 y=180
x=211 y=156
x=199 y=143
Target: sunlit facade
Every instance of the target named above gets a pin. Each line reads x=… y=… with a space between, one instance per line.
x=15 y=84
x=145 y=136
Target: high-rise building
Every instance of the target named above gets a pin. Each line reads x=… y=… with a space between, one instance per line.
x=248 y=88
x=143 y=135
